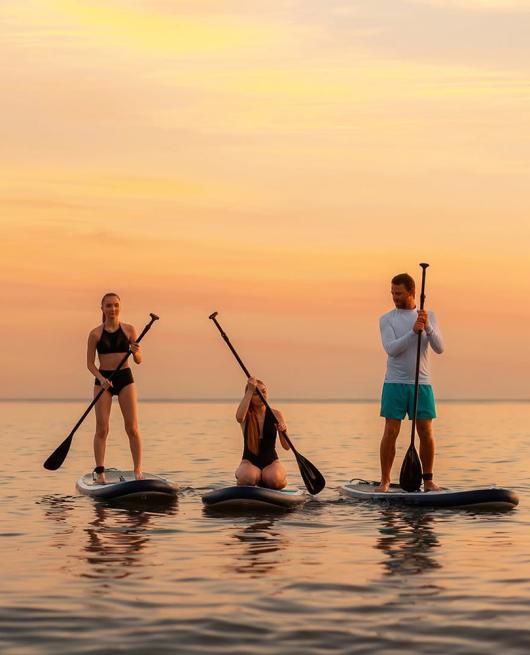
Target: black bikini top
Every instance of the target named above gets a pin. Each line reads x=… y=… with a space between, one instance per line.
x=113 y=342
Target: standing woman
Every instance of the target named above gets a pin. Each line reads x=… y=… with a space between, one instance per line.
x=260 y=464
x=111 y=340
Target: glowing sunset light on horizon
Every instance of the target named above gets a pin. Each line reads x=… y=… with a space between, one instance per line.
x=278 y=164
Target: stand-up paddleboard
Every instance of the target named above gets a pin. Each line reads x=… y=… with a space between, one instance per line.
x=121 y=485
x=484 y=497
x=243 y=497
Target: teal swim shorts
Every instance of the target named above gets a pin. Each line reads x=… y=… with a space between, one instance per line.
x=398 y=399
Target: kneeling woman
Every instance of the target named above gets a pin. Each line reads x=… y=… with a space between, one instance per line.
x=112 y=340
x=260 y=464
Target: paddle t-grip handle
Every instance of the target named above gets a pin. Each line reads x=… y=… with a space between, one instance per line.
x=424 y=267
x=154 y=318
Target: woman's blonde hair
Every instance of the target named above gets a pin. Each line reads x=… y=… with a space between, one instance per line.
x=252 y=425
x=110 y=293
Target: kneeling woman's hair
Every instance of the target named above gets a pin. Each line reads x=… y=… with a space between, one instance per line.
x=252 y=425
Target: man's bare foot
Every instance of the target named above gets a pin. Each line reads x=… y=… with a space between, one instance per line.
x=383 y=486
x=98 y=475
x=138 y=475
x=429 y=485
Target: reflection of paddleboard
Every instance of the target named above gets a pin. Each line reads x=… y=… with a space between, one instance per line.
x=121 y=484
x=484 y=497
x=254 y=497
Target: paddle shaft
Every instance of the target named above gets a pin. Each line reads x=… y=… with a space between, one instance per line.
x=247 y=373
x=418 y=351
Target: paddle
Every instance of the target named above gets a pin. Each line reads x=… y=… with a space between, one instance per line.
x=313 y=479
x=58 y=456
x=410 y=475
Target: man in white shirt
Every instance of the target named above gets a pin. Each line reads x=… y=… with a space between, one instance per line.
x=399 y=334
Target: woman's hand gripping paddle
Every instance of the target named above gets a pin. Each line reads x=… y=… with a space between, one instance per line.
x=313 y=479
x=410 y=475
x=58 y=456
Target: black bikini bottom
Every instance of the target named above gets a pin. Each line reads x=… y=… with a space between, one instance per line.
x=121 y=379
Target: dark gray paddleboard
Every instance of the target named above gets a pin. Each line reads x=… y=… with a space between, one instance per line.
x=483 y=497
x=254 y=497
x=122 y=484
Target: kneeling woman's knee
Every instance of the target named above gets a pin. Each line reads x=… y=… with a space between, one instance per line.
x=248 y=476
x=275 y=478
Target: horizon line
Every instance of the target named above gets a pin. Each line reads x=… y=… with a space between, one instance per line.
x=280 y=399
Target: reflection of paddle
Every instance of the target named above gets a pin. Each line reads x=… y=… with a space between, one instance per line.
x=410 y=475
x=312 y=477
x=58 y=456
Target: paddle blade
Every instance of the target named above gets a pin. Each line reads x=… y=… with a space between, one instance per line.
x=58 y=456
x=410 y=475
x=313 y=479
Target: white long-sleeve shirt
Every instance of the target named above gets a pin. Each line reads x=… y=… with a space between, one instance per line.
x=401 y=342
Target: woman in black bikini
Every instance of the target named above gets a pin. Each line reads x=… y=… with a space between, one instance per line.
x=260 y=464
x=111 y=340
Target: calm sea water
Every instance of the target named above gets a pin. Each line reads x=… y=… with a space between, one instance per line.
x=333 y=577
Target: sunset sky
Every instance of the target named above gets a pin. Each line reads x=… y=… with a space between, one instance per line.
x=277 y=162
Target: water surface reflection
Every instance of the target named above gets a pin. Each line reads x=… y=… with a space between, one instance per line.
x=117 y=538
x=408 y=540
x=259 y=547
x=60 y=510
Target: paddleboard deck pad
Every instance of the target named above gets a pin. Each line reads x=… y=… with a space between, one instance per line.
x=123 y=485
x=484 y=497
x=254 y=497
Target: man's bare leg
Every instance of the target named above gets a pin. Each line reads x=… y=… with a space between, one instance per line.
x=387 y=451
x=427 y=447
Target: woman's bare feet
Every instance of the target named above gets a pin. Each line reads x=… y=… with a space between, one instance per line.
x=383 y=486
x=138 y=475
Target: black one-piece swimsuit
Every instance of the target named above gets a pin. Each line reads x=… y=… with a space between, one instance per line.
x=267 y=444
